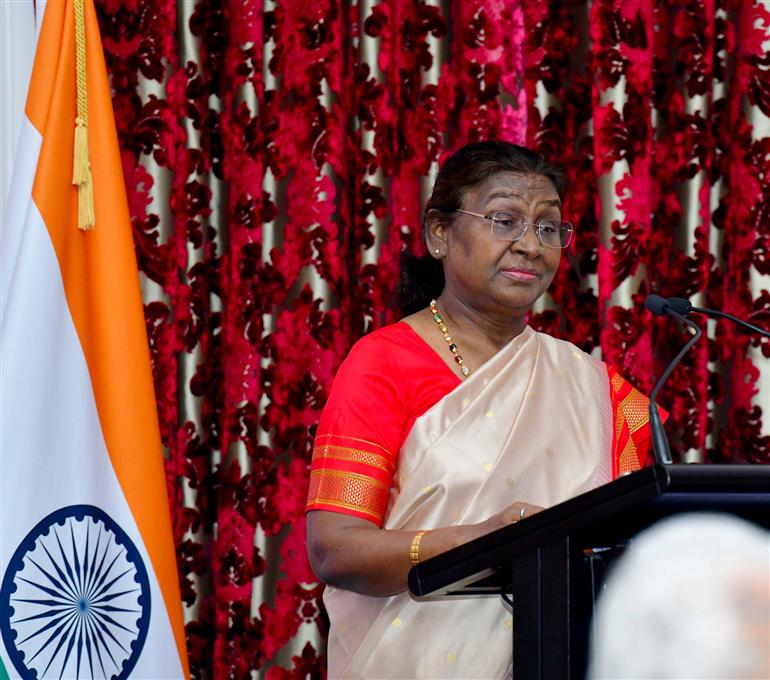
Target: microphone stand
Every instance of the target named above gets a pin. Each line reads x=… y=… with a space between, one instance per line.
x=734 y=319
x=659 y=440
x=679 y=308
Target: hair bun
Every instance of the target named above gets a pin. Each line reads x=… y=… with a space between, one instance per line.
x=422 y=279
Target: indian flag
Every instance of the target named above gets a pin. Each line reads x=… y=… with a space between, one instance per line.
x=88 y=577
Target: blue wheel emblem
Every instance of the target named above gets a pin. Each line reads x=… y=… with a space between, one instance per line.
x=75 y=599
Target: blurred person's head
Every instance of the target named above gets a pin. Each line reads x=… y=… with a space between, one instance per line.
x=690 y=599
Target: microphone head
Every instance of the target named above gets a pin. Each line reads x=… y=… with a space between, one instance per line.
x=657 y=304
x=680 y=305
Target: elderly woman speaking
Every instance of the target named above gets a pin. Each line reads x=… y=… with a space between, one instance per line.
x=457 y=420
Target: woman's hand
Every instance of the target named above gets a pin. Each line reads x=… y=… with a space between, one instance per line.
x=515 y=512
x=355 y=554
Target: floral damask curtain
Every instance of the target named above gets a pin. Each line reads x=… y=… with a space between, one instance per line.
x=277 y=155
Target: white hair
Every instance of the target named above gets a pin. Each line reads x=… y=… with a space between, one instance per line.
x=689 y=599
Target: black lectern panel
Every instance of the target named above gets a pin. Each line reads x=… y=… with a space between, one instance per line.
x=543 y=561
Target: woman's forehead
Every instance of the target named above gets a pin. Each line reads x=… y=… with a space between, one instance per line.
x=515 y=185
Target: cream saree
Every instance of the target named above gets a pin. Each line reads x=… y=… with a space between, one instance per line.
x=533 y=424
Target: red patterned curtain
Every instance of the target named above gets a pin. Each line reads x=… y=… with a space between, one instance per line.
x=277 y=155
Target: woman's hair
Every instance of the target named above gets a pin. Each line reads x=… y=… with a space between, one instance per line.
x=422 y=278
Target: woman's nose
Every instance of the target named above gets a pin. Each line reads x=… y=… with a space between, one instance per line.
x=529 y=244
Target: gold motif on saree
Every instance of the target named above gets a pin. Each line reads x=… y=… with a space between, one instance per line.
x=354 y=439
x=349 y=490
x=345 y=506
x=346 y=453
x=633 y=412
x=635 y=408
x=629 y=461
x=617 y=382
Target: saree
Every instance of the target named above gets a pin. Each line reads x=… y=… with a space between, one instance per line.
x=535 y=423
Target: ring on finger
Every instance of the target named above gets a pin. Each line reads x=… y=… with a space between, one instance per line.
x=522 y=513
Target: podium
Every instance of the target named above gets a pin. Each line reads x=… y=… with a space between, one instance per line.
x=551 y=564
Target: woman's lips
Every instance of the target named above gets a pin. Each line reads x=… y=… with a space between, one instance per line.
x=520 y=274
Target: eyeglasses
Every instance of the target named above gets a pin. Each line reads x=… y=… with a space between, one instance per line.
x=512 y=226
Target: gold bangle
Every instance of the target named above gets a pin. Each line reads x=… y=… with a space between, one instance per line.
x=414 y=548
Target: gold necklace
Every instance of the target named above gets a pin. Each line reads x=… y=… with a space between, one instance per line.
x=452 y=345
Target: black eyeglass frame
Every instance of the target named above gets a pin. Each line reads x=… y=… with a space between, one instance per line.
x=564 y=226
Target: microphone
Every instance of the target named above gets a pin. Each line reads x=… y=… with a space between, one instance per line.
x=680 y=305
x=661 y=306
x=657 y=304
x=684 y=307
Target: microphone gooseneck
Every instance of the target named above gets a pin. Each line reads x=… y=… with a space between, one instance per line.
x=724 y=315
x=683 y=306
x=663 y=307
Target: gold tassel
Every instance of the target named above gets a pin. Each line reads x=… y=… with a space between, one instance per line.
x=86 y=216
x=81 y=165
x=80 y=162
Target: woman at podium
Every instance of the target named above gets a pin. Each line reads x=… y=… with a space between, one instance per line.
x=456 y=420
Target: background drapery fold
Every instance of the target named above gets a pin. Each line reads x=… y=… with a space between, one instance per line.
x=277 y=155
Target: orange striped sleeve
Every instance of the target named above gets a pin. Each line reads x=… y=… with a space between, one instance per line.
x=359 y=435
x=350 y=475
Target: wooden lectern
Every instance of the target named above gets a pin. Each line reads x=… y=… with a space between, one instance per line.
x=551 y=564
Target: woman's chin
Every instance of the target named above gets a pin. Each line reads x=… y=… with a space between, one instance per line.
x=521 y=295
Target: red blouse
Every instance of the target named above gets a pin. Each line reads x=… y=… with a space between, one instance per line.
x=389 y=379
